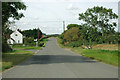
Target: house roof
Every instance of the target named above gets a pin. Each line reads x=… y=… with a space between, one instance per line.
x=16 y=31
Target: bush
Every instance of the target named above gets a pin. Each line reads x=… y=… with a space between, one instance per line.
x=61 y=36
x=72 y=34
x=74 y=44
x=6 y=47
x=41 y=44
x=29 y=41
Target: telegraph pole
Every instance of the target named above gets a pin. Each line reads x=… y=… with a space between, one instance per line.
x=38 y=33
x=63 y=26
x=38 y=38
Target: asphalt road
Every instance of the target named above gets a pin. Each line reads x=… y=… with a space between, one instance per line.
x=55 y=62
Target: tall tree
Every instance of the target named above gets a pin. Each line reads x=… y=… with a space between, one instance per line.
x=32 y=33
x=99 y=17
x=10 y=10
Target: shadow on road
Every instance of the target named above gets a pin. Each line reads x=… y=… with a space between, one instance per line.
x=51 y=59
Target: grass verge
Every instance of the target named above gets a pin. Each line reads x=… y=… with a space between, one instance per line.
x=44 y=41
x=13 y=58
x=27 y=47
x=106 y=56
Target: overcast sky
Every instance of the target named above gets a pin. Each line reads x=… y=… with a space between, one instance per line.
x=49 y=14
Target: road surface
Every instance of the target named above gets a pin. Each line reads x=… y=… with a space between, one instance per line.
x=56 y=62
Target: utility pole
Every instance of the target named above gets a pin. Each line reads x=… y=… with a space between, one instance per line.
x=63 y=26
x=38 y=33
x=37 y=39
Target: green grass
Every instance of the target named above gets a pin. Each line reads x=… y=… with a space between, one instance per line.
x=15 y=57
x=27 y=47
x=106 y=56
x=44 y=41
x=11 y=59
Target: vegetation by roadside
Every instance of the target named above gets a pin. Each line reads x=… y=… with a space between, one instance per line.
x=107 y=56
x=13 y=58
x=27 y=47
x=41 y=44
x=44 y=40
x=106 y=46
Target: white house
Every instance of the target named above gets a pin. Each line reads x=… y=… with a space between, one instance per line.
x=15 y=38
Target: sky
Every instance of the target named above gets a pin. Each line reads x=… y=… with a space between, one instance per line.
x=49 y=15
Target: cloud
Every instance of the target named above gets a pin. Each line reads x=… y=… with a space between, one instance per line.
x=63 y=0
x=71 y=7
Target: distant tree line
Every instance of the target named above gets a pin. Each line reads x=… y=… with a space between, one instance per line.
x=30 y=35
x=97 y=28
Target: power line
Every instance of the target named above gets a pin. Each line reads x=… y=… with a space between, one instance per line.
x=47 y=21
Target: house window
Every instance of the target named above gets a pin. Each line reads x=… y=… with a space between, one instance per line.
x=16 y=35
x=18 y=41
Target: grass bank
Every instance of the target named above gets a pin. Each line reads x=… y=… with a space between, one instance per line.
x=13 y=58
x=106 y=56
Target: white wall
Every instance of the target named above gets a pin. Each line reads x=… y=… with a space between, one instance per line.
x=17 y=36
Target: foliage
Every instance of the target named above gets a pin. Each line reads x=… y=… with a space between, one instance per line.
x=29 y=41
x=52 y=35
x=10 y=10
x=72 y=25
x=43 y=42
x=97 y=29
x=32 y=33
x=99 y=17
x=74 y=44
x=5 y=46
x=72 y=34
x=61 y=36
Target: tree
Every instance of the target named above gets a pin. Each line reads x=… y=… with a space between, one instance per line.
x=10 y=10
x=29 y=41
x=72 y=34
x=99 y=17
x=32 y=33
x=72 y=25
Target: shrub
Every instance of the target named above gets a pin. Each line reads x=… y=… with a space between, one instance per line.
x=72 y=25
x=74 y=44
x=5 y=47
x=61 y=36
x=29 y=41
x=41 y=44
x=72 y=34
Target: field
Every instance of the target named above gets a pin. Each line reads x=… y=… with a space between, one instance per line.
x=106 y=46
x=13 y=58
